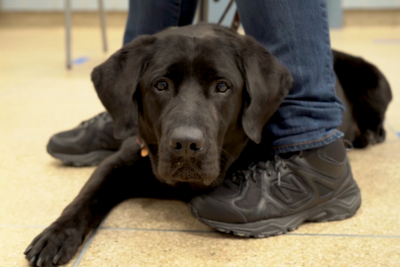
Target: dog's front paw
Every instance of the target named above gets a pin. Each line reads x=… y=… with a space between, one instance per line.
x=56 y=245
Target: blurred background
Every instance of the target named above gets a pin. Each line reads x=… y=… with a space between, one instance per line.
x=341 y=12
x=85 y=13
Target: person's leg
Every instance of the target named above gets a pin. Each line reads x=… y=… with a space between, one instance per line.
x=297 y=33
x=310 y=178
x=93 y=140
x=151 y=16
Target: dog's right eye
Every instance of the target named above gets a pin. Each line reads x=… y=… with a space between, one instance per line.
x=161 y=86
x=222 y=87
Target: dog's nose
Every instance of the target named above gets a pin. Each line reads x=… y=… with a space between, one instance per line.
x=186 y=141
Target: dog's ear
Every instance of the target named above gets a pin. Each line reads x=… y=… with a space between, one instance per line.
x=267 y=83
x=116 y=81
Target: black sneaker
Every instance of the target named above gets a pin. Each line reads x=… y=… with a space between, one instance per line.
x=276 y=196
x=86 y=145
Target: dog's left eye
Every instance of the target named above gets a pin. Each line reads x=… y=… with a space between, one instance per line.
x=222 y=87
x=161 y=86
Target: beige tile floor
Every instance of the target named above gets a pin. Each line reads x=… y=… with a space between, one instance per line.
x=38 y=97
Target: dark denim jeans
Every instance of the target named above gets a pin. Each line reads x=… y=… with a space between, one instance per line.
x=297 y=33
x=151 y=16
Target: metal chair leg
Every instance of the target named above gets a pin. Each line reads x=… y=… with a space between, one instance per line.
x=225 y=12
x=203 y=13
x=103 y=25
x=68 y=32
x=236 y=20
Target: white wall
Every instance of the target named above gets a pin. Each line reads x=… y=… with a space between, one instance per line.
x=122 y=5
x=370 y=4
x=58 y=5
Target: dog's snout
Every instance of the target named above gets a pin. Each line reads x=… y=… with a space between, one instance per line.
x=186 y=141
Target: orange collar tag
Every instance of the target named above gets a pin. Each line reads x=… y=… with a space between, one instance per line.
x=144 y=152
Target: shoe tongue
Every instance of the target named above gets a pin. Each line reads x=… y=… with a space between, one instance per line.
x=263 y=165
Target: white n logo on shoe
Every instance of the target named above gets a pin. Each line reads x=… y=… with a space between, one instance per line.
x=289 y=185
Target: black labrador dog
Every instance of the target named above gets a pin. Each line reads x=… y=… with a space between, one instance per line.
x=195 y=96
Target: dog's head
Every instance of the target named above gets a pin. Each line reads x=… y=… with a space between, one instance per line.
x=195 y=95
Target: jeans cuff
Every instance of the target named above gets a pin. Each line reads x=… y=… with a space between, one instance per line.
x=317 y=140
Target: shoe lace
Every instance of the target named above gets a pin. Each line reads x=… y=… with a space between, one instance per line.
x=102 y=116
x=269 y=168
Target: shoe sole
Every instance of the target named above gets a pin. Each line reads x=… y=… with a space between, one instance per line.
x=333 y=210
x=93 y=158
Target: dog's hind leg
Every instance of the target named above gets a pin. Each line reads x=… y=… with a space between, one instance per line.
x=118 y=177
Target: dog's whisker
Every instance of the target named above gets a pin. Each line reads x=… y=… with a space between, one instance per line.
x=226 y=152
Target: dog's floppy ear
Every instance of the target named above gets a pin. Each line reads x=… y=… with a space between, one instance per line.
x=116 y=81
x=267 y=83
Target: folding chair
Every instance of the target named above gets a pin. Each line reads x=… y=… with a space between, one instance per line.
x=68 y=21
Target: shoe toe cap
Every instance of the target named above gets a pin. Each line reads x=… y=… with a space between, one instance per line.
x=64 y=143
x=204 y=207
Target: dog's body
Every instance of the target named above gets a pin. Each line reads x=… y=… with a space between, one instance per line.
x=366 y=95
x=195 y=96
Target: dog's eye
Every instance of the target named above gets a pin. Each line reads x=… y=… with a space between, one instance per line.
x=161 y=86
x=222 y=87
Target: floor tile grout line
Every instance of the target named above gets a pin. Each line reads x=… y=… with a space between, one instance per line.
x=189 y=231
x=84 y=249
x=392 y=128
x=87 y=244
x=215 y=232
x=345 y=235
x=158 y=230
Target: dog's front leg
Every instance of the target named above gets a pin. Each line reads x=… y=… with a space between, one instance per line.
x=119 y=177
